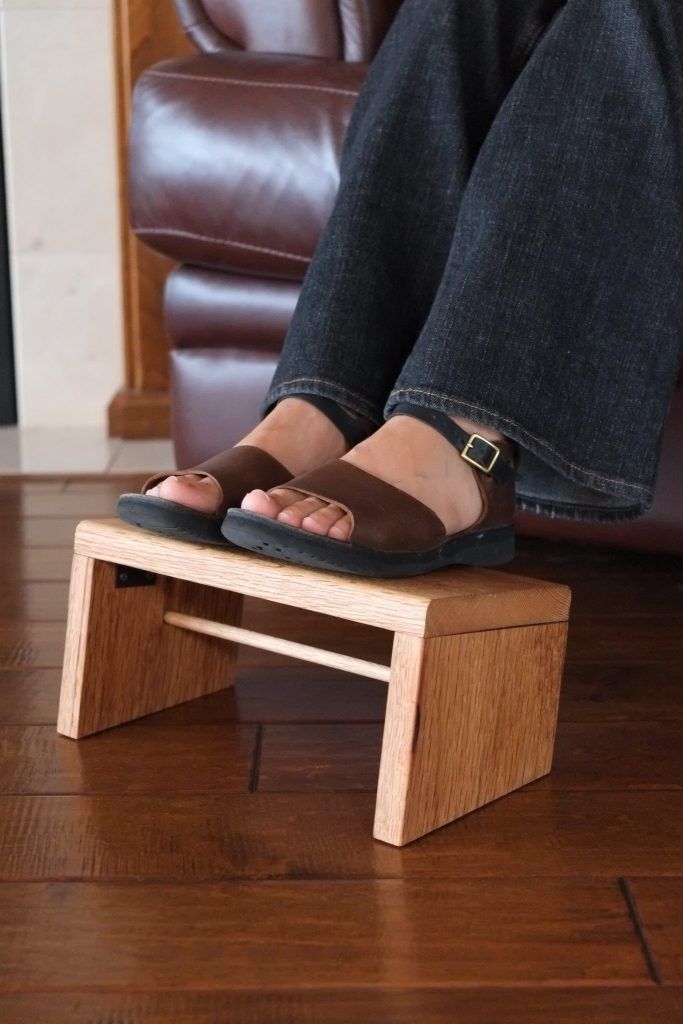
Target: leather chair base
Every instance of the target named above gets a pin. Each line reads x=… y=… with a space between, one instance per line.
x=216 y=396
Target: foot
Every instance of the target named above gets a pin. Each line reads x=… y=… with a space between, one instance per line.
x=404 y=452
x=295 y=433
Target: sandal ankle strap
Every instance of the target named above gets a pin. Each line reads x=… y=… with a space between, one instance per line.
x=486 y=456
x=352 y=428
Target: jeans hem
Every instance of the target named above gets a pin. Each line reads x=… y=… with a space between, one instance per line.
x=580 y=513
x=639 y=498
x=325 y=389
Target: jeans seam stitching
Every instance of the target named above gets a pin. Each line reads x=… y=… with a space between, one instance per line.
x=564 y=505
x=544 y=444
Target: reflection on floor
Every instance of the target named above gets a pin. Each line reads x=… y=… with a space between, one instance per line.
x=214 y=862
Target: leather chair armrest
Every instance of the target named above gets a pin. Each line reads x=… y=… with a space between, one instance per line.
x=234 y=157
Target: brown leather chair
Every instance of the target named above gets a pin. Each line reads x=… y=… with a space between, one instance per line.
x=234 y=166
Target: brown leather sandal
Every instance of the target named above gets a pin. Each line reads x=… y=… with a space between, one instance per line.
x=235 y=471
x=393 y=533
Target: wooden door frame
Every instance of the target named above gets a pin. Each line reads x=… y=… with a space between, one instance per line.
x=146 y=31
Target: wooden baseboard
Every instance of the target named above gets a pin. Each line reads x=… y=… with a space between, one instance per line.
x=140 y=414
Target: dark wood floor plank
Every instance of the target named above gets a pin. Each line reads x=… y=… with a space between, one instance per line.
x=310 y=758
x=626 y=596
x=16 y=485
x=311 y=628
x=312 y=835
x=33 y=602
x=310 y=934
x=623 y=594
x=659 y=903
x=112 y=485
x=340 y=1006
x=40 y=531
x=305 y=693
x=567 y=557
x=608 y=638
x=34 y=564
x=29 y=696
x=29 y=645
x=84 y=505
x=617 y=755
x=622 y=691
x=588 y=756
x=134 y=758
x=285 y=694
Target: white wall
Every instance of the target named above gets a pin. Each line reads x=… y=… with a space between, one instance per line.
x=58 y=97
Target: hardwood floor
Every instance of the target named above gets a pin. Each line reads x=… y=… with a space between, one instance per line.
x=214 y=862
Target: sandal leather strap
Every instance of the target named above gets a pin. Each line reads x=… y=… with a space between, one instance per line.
x=236 y=471
x=495 y=458
x=351 y=428
x=384 y=517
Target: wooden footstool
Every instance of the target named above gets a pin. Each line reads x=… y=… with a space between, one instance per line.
x=474 y=680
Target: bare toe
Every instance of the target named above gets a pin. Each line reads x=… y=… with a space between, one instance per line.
x=320 y=522
x=270 y=503
x=261 y=503
x=295 y=514
x=196 y=492
x=342 y=529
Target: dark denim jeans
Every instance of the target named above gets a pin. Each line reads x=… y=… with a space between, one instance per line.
x=507 y=243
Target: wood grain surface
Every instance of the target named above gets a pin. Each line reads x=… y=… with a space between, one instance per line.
x=155 y=872
x=455 y=600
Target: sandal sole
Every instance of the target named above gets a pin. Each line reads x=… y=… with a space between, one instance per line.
x=290 y=544
x=170 y=519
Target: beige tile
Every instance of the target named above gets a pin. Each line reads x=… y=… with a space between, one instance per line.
x=143 y=456
x=10 y=457
x=76 y=450
x=67 y=324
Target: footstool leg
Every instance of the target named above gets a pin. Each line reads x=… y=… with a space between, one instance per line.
x=469 y=718
x=122 y=661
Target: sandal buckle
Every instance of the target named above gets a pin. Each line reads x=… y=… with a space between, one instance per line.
x=473 y=438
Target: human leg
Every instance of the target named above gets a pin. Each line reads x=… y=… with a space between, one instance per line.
x=420 y=119
x=557 y=316
x=427 y=106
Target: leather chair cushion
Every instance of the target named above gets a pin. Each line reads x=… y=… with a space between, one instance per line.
x=296 y=26
x=212 y=309
x=341 y=29
x=234 y=158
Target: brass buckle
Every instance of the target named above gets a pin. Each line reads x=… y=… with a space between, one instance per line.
x=473 y=462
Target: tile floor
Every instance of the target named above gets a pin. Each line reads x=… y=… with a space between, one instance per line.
x=78 y=450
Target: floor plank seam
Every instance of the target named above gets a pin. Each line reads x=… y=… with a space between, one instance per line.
x=256 y=760
x=639 y=929
x=312 y=879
